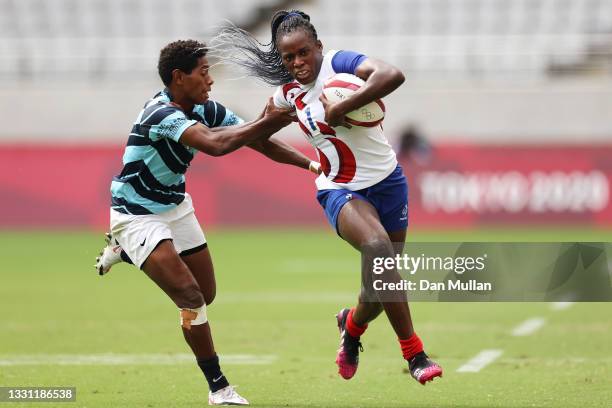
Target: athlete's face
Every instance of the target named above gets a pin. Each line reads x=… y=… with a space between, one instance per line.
x=301 y=55
x=198 y=83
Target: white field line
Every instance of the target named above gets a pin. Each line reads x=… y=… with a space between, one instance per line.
x=128 y=359
x=287 y=297
x=348 y=266
x=528 y=327
x=557 y=306
x=480 y=361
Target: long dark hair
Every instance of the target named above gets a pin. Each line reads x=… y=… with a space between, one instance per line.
x=263 y=61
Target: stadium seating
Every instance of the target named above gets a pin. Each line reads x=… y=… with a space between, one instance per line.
x=94 y=38
x=469 y=37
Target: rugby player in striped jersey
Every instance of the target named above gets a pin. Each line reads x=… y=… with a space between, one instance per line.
x=152 y=219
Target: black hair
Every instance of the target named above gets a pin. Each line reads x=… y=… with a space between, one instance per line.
x=183 y=55
x=262 y=61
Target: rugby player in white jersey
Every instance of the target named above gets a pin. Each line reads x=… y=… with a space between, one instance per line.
x=362 y=190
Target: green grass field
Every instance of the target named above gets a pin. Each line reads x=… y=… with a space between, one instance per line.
x=117 y=339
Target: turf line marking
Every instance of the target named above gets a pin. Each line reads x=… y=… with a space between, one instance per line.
x=480 y=361
x=561 y=305
x=287 y=297
x=528 y=327
x=128 y=359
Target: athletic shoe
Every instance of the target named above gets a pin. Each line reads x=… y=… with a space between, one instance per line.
x=110 y=255
x=226 y=396
x=423 y=369
x=348 y=353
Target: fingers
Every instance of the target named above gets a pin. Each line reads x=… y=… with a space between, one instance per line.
x=288 y=111
x=324 y=100
x=332 y=116
x=269 y=106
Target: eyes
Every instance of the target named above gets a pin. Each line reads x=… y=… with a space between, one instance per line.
x=289 y=57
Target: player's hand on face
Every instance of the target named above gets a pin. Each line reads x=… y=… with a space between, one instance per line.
x=280 y=116
x=333 y=115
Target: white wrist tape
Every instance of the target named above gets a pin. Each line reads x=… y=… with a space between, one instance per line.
x=315 y=167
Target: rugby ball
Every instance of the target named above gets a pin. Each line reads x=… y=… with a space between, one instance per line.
x=343 y=86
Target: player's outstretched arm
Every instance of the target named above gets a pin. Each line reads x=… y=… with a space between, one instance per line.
x=227 y=139
x=282 y=152
x=381 y=79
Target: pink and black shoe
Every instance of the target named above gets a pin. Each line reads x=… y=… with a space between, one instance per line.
x=348 y=353
x=423 y=369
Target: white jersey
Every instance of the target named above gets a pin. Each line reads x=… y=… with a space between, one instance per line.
x=354 y=158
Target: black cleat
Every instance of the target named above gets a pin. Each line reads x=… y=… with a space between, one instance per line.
x=423 y=369
x=347 y=358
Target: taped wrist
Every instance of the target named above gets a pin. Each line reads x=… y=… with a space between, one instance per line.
x=314 y=167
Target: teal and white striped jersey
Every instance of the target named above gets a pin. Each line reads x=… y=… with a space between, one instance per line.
x=154 y=162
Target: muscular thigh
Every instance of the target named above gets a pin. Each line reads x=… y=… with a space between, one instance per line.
x=201 y=266
x=359 y=223
x=166 y=268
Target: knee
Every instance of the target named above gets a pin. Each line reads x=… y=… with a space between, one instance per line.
x=377 y=247
x=369 y=297
x=209 y=295
x=189 y=297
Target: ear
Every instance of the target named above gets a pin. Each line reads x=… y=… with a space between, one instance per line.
x=177 y=76
x=319 y=45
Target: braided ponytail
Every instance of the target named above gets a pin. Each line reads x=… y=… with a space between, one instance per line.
x=262 y=61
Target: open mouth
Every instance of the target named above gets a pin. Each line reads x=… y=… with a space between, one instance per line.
x=303 y=74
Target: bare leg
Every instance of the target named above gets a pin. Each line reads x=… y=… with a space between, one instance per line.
x=359 y=225
x=368 y=309
x=201 y=266
x=174 y=277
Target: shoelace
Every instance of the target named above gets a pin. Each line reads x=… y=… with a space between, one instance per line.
x=230 y=392
x=351 y=345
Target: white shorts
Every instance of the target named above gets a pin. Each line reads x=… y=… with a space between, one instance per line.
x=138 y=235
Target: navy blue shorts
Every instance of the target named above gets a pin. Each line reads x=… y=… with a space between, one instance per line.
x=389 y=197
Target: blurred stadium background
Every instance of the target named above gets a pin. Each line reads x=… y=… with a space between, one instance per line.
x=504 y=128
x=506 y=115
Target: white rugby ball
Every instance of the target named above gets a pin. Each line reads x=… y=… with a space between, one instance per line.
x=342 y=86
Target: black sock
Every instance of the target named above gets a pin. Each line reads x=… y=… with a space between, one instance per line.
x=212 y=372
x=125 y=257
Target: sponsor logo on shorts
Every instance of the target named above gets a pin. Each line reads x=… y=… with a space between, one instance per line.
x=404 y=213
